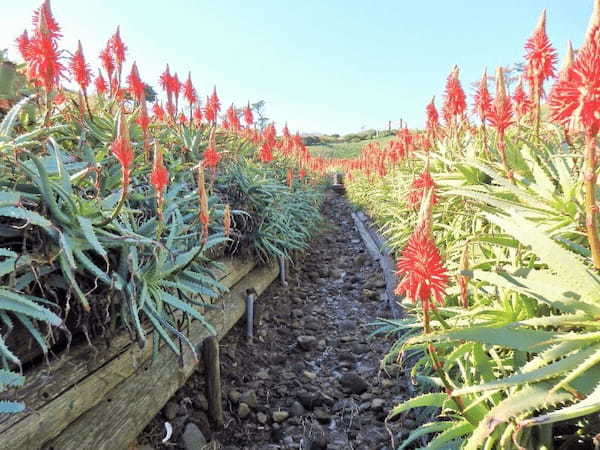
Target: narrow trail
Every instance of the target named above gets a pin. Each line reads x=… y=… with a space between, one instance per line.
x=311 y=378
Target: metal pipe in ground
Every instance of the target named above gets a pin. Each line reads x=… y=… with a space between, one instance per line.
x=250 y=297
x=283 y=271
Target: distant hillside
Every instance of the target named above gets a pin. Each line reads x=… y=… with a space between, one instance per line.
x=346 y=147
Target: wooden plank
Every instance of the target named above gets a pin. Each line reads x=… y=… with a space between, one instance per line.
x=59 y=393
x=386 y=263
x=124 y=412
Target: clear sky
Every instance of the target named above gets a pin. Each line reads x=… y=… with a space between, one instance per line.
x=322 y=65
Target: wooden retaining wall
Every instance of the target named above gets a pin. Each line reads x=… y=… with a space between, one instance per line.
x=93 y=398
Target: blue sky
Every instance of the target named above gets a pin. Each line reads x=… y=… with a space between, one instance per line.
x=322 y=65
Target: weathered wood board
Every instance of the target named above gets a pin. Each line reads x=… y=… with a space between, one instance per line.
x=58 y=393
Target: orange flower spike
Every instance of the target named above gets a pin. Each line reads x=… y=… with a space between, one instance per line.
x=122 y=150
x=227 y=220
x=204 y=214
x=159 y=178
x=135 y=86
x=80 y=69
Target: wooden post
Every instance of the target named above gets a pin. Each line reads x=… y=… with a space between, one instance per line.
x=210 y=352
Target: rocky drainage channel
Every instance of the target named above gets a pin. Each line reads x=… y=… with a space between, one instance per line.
x=311 y=378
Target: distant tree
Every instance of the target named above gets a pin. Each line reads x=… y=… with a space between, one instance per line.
x=150 y=93
x=259 y=109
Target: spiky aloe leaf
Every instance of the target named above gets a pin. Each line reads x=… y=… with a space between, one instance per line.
x=564 y=263
x=541 y=285
x=428 y=428
x=589 y=405
x=436 y=399
x=88 y=231
x=10 y=119
x=507 y=336
x=552 y=370
x=525 y=401
x=446 y=438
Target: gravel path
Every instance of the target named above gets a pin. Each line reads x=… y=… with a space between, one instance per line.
x=311 y=379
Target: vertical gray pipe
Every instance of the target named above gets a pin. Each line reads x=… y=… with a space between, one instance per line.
x=283 y=271
x=250 y=296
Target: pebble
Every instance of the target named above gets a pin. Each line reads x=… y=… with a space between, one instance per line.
x=354 y=383
x=234 y=396
x=193 y=439
x=249 y=398
x=280 y=416
x=262 y=418
x=243 y=410
x=171 y=410
x=307 y=343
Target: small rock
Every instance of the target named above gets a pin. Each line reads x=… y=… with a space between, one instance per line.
x=201 y=402
x=322 y=415
x=296 y=409
x=262 y=418
x=307 y=343
x=193 y=439
x=280 y=416
x=243 y=410
x=309 y=375
x=171 y=410
x=263 y=374
x=234 y=396
x=249 y=398
x=386 y=383
x=354 y=383
x=369 y=294
x=377 y=403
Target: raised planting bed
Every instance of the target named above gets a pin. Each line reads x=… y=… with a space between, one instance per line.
x=94 y=397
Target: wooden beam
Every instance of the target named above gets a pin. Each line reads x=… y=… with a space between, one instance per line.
x=57 y=394
x=124 y=411
x=380 y=254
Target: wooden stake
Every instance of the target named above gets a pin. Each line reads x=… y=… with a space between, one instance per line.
x=212 y=363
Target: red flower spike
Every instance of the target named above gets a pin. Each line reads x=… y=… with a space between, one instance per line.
x=214 y=101
x=418 y=188
x=100 y=84
x=175 y=86
x=211 y=156
x=121 y=148
x=198 y=115
x=248 y=116
x=232 y=118
x=482 y=100
x=189 y=92
x=540 y=57
x=80 y=69
x=521 y=100
x=433 y=119
x=500 y=116
x=454 y=98
x=209 y=112
x=266 y=155
x=421 y=271
x=159 y=177
x=118 y=48
x=43 y=57
x=23 y=44
x=108 y=62
x=143 y=119
x=159 y=113
x=44 y=15
x=135 y=85
x=165 y=80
